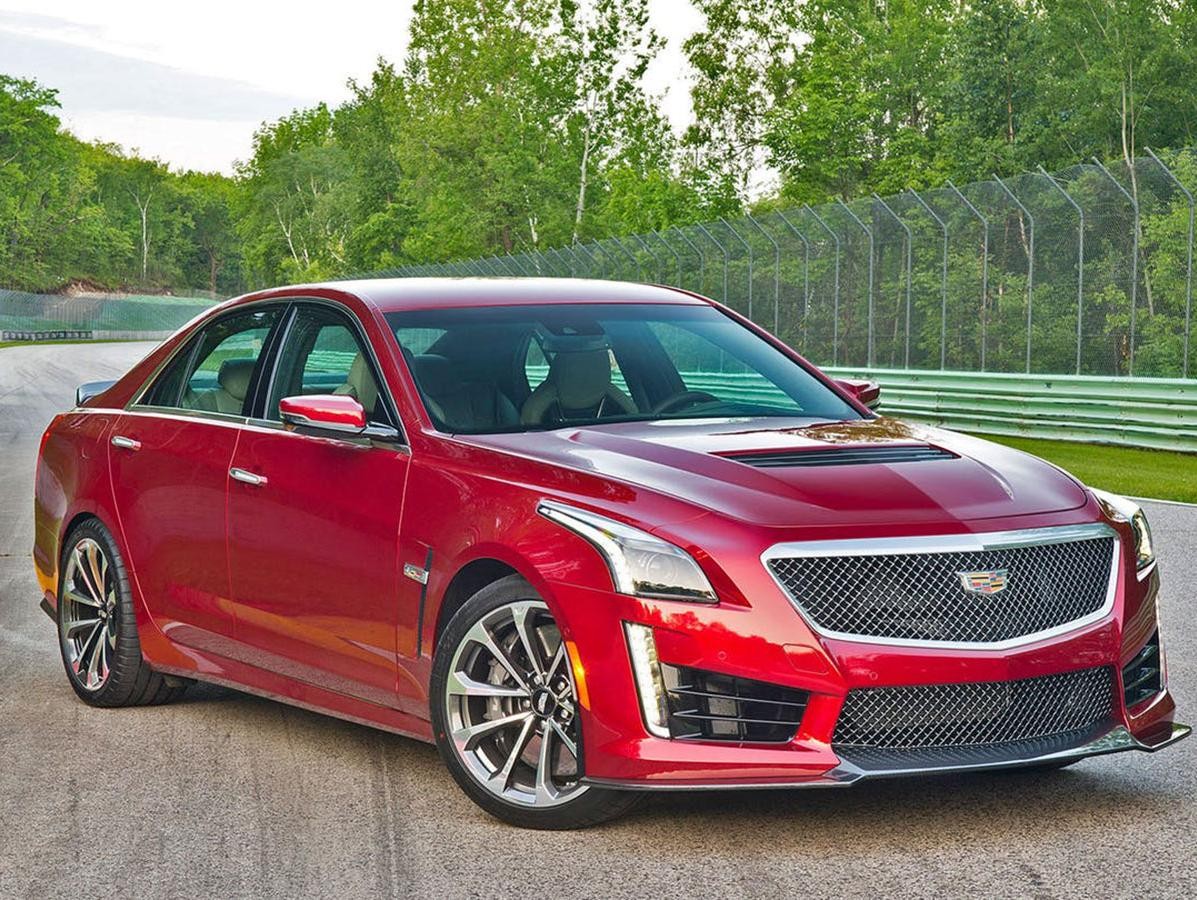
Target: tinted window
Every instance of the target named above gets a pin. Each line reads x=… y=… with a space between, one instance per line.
x=518 y=368
x=214 y=374
x=322 y=354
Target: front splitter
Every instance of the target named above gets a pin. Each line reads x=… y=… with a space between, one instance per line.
x=850 y=771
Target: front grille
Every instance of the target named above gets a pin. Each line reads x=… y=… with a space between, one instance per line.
x=844 y=456
x=1142 y=677
x=976 y=713
x=922 y=597
x=712 y=707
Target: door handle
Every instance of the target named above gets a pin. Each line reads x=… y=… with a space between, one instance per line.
x=125 y=443
x=247 y=477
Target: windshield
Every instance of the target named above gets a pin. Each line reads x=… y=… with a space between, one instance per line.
x=483 y=370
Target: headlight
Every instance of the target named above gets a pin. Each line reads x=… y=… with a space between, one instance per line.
x=641 y=565
x=1121 y=509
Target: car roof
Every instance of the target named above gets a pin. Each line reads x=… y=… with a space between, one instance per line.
x=396 y=294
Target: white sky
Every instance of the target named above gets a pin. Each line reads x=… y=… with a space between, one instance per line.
x=188 y=83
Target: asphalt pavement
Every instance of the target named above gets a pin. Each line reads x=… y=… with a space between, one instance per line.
x=225 y=795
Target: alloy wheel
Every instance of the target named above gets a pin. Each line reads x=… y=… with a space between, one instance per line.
x=88 y=615
x=511 y=706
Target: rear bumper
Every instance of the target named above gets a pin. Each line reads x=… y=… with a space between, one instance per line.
x=853 y=769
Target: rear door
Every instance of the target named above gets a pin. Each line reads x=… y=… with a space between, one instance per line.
x=169 y=456
x=314 y=530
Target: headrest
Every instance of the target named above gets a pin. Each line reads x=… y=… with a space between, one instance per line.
x=359 y=384
x=436 y=375
x=581 y=377
x=234 y=376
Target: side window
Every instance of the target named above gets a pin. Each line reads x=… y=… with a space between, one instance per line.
x=322 y=354
x=214 y=374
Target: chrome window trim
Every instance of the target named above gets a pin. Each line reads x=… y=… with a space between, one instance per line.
x=287 y=303
x=185 y=345
x=355 y=324
x=951 y=543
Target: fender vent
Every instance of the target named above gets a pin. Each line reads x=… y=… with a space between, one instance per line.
x=886 y=454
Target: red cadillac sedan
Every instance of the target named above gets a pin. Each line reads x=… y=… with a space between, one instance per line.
x=592 y=539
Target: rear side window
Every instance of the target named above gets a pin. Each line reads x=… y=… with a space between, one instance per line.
x=214 y=374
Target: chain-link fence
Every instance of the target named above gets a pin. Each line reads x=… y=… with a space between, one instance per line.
x=1085 y=271
x=95 y=315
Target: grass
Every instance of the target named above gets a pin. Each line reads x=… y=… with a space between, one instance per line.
x=1160 y=474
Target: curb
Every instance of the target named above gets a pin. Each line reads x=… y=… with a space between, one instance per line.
x=1165 y=502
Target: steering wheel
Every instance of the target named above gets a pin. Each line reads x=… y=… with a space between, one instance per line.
x=682 y=400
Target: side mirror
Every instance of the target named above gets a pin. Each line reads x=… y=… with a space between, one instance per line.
x=866 y=392
x=336 y=413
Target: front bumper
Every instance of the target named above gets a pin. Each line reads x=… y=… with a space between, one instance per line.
x=769 y=643
x=849 y=772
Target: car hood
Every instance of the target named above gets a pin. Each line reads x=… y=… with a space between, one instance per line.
x=688 y=460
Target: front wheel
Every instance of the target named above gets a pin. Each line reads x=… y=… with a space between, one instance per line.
x=505 y=713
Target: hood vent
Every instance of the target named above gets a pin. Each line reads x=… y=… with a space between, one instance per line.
x=884 y=454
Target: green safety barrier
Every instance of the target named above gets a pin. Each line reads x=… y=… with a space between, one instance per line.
x=1160 y=413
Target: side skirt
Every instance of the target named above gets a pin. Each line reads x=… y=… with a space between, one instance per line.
x=306 y=696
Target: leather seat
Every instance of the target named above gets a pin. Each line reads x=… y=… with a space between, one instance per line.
x=360 y=385
x=232 y=384
x=578 y=387
x=458 y=402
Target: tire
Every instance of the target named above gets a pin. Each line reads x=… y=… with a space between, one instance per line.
x=97 y=628
x=524 y=772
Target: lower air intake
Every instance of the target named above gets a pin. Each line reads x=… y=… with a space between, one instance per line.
x=976 y=714
x=1142 y=677
x=708 y=706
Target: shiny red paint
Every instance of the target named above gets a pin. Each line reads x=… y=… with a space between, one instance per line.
x=294 y=587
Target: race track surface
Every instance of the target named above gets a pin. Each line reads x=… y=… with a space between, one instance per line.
x=224 y=795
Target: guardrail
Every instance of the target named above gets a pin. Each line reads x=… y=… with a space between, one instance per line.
x=76 y=335
x=1159 y=413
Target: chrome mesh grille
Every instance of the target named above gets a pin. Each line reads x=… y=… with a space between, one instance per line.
x=976 y=713
x=920 y=597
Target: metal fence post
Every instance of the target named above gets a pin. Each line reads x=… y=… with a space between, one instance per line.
x=514 y=262
x=594 y=261
x=649 y=250
x=776 y=271
x=869 y=232
x=702 y=258
x=1030 y=260
x=805 y=261
x=568 y=263
x=748 y=249
x=1188 y=263
x=1080 y=262
x=909 y=271
x=943 y=314
x=726 y=257
x=671 y=249
x=835 y=295
x=1134 y=291
x=984 y=268
x=626 y=252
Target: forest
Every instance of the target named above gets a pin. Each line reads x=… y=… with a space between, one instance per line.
x=516 y=126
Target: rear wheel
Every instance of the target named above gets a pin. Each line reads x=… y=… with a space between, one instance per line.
x=97 y=629
x=505 y=713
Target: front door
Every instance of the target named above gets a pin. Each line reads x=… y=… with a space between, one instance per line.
x=314 y=528
x=169 y=458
